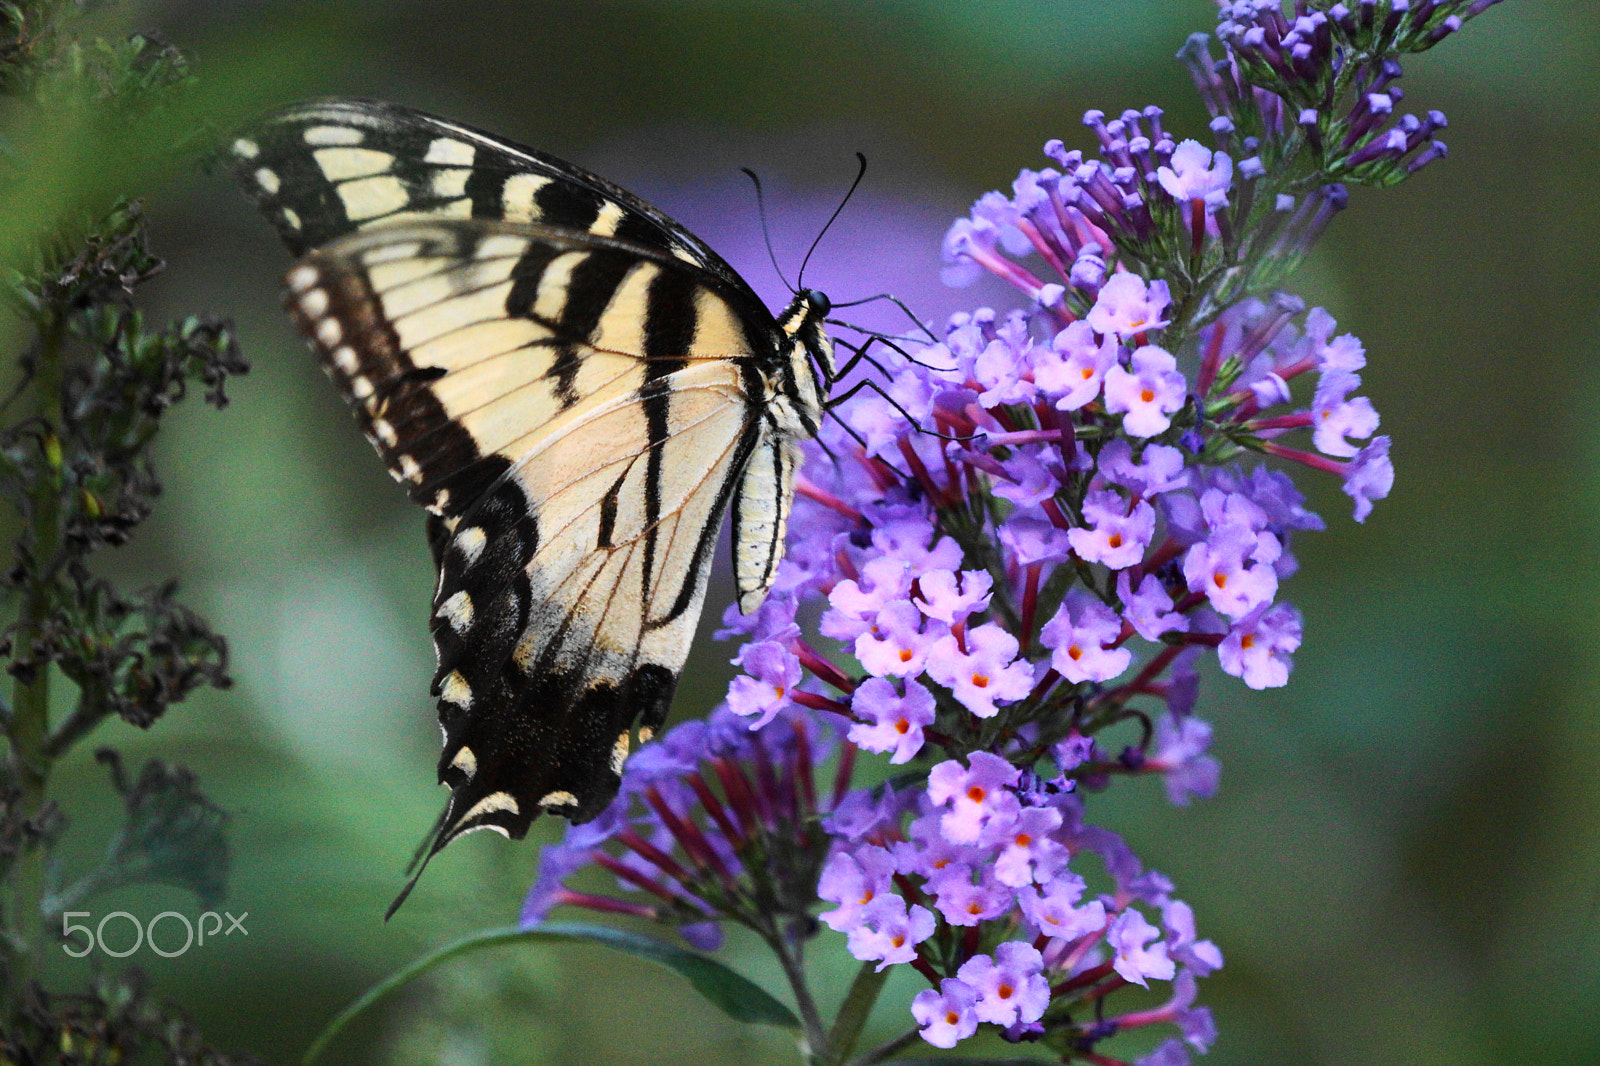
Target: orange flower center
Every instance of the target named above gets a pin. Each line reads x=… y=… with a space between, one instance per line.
x=1146 y=395
x=980 y=680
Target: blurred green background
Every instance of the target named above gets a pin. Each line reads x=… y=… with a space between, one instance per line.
x=1403 y=864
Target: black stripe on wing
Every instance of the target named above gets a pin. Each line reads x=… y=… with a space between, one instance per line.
x=323 y=169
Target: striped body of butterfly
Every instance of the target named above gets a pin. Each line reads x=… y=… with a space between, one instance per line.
x=576 y=389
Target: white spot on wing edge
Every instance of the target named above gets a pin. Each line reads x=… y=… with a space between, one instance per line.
x=494 y=801
x=558 y=799
x=332 y=135
x=292 y=217
x=329 y=332
x=485 y=825
x=247 y=148
x=646 y=734
x=314 y=303
x=466 y=762
x=344 y=357
x=457 y=610
x=268 y=180
x=470 y=543
x=619 y=752
x=302 y=278
x=456 y=690
x=409 y=469
x=385 y=432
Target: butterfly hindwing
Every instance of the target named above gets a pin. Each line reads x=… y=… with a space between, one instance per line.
x=578 y=450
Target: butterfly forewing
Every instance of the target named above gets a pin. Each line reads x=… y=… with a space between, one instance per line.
x=322 y=169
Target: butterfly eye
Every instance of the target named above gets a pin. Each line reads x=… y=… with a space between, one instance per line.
x=818 y=303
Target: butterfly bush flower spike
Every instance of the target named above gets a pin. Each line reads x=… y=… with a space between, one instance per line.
x=1002 y=585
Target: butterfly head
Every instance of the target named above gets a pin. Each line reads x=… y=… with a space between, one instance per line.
x=802 y=322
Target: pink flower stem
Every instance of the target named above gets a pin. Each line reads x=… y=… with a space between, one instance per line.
x=693 y=841
x=804 y=772
x=736 y=787
x=822 y=668
x=1006 y=269
x=841 y=779
x=819 y=703
x=1298 y=420
x=608 y=905
x=1101 y=991
x=1311 y=459
x=1083 y=980
x=936 y=495
x=1212 y=359
x=826 y=498
x=715 y=810
x=650 y=853
x=1028 y=436
x=1030 y=603
x=1046 y=683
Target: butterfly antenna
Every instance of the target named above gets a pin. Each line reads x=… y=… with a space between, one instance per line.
x=861 y=172
x=761 y=210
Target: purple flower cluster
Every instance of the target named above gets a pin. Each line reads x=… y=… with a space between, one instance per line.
x=713 y=822
x=984 y=851
x=1013 y=546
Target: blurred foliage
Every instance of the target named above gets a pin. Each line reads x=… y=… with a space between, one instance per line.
x=1402 y=866
x=92 y=383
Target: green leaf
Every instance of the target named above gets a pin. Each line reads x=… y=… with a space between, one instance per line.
x=733 y=994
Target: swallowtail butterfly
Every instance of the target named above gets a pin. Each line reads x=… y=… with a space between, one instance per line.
x=576 y=388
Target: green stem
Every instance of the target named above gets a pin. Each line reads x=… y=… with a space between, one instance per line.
x=90 y=712
x=816 y=1037
x=888 y=1049
x=855 y=1009
x=29 y=725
